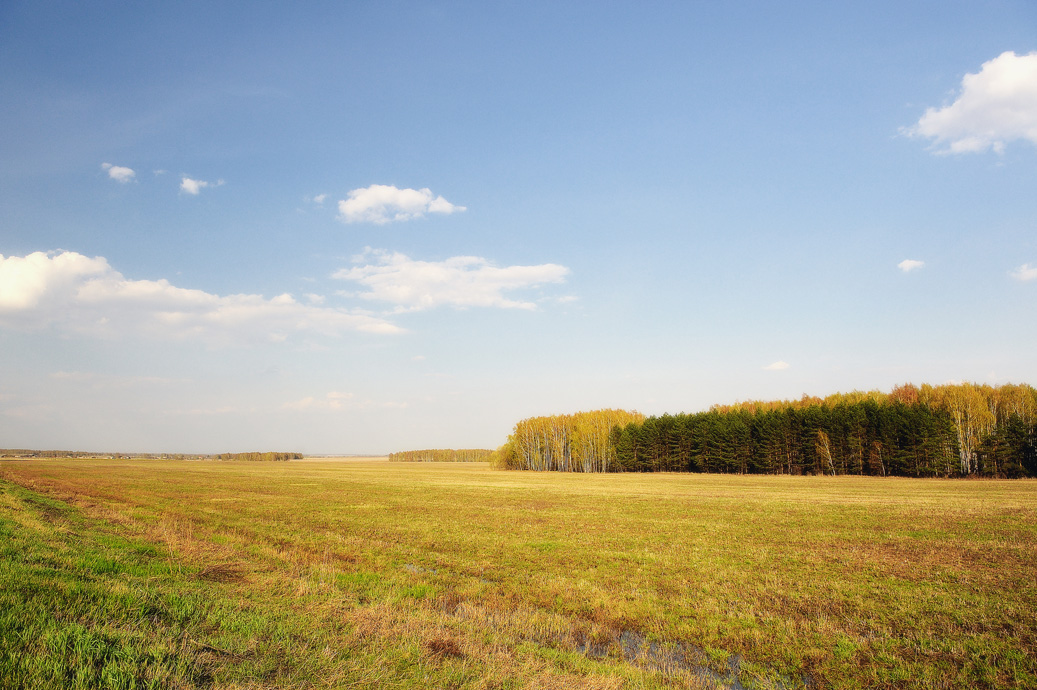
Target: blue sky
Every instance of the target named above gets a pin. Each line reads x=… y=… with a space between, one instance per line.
x=368 y=227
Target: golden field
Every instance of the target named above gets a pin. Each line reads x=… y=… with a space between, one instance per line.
x=364 y=573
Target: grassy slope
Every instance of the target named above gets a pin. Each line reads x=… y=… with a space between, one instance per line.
x=377 y=575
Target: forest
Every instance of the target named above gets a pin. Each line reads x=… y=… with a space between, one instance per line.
x=442 y=455
x=951 y=430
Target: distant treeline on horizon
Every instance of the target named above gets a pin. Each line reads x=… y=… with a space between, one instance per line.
x=442 y=455
x=253 y=456
x=259 y=457
x=31 y=453
x=953 y=430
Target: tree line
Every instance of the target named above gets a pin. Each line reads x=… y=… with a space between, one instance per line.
x=29 y=453
x=580 y=442
x=259 y=457
x=953 y=430
x=442 y=455
x=253 y=457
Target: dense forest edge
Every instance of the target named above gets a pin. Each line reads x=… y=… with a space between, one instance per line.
x=952 y=430
x=442 y=455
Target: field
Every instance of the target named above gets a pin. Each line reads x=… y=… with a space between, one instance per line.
x=369 y=574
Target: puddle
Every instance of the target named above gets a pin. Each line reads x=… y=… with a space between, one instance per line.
x=417 y=569
x=676 y=657
x=683 y=657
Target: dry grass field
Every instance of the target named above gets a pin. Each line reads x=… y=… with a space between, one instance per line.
x=362 y=573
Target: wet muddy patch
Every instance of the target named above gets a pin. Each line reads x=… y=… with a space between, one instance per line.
x=676 y=659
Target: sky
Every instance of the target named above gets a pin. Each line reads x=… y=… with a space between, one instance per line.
x=352 y=227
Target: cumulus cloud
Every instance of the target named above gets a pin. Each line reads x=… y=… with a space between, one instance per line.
x=190 y=186
x=997 y=105
x=82 y=294
x=1025 y=273
x=193 y=187
x=119 y=173
x=460 y=281
x=381 y=204
x=777 y=366
x=908 y=265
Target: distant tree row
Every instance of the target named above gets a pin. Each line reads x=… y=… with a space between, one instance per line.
x=580 y=442
x=259 y=457
x=442 y=455
x=254 y=457
x=929 y=431
x=29 y=453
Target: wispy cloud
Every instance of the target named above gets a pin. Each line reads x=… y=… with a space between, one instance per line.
x=119 y=173
x=1025 y=273
x=908 y=265
x=997 y=105
x=381 y=204
x=333 y=400
x=82 y=294
x=460 y=281
x=776 y=366
x=29 y=412
x=193 y=187
x=203 y=411
x=100 y=380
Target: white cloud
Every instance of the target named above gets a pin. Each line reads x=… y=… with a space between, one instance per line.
x=82 y=294
x=908 y=265
x=1025 y=273
x=381 y=204
x=996 y=106
x=303 y=404
x=460 y=281
x=119 y=173
x=333 y=400
x=777 y=366
x=319 y=199
x=193 y=187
